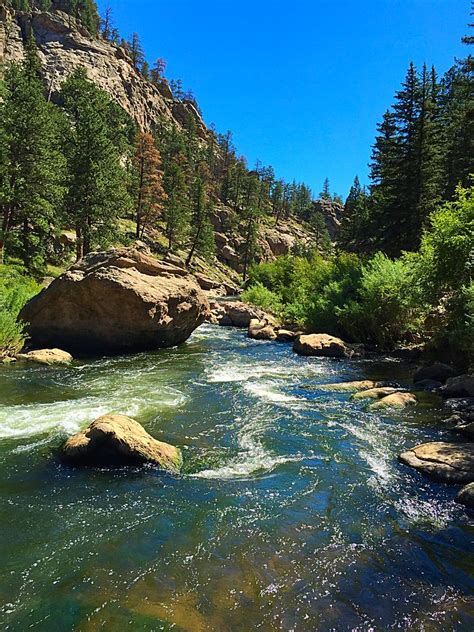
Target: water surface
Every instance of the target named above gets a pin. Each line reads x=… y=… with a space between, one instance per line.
x=292 y=513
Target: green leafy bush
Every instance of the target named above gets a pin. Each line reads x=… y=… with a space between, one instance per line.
x=15 y=290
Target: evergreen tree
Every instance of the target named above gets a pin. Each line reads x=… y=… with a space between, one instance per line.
x=96 y=192
x=202 y=234
x=150 y=192
x=176 y=210
x=136 y=51
x=32 y=165
x=326 y=192
x=322 y=240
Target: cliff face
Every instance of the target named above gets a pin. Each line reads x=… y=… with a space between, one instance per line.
x=64 y=45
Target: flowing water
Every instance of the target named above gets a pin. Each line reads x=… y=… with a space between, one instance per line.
x=292 y=512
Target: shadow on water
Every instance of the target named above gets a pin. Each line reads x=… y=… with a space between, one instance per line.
x=292 y=511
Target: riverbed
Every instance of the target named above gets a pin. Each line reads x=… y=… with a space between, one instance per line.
x=292 y=512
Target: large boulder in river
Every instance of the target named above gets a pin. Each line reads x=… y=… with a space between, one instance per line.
x=116 y=301
x=460 y=386
x=437 y=372
x=447 y=462
x=321 y=345
x=116 y=440
x=261 y=330
x=395 y=400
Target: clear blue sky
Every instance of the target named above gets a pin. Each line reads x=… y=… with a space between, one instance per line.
x=300 y=83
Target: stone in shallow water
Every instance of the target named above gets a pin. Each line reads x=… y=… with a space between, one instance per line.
x=460 y=386
x=395 y=400
x=358 y=385
x=437 y=372
x=375 y=393
x=447 y=462
x=322 y=345
x=46 y=356
x=117 y=440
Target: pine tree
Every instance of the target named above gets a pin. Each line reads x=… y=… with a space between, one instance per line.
x=176 y=210
x=32 y=165
x=96 y=192
x=136 y=51
x=202 y=234
x=326 y=192
x=322 y=240
x=150 y=192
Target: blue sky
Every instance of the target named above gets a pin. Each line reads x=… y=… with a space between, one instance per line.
x=301 y=84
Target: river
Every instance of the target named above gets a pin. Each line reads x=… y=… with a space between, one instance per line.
x=292 y=512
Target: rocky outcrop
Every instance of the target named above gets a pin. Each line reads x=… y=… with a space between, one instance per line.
x=116 y=301
x=46 y=356
x=332 y=212
x=322 y=345
x=466 y=496
x=358 y=385
x=395 y=400
x=447 y=462
x=64 y=45
x=116 y=440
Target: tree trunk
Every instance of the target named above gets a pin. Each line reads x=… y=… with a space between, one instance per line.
x=79 y=244
x=7 y=216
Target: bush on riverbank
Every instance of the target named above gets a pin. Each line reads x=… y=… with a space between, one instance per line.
x=428 y=294
x=15 y=290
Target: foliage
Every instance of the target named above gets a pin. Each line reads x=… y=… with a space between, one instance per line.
x=15 y=290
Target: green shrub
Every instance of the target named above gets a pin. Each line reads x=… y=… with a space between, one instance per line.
x=15 y=290
x=258 y=294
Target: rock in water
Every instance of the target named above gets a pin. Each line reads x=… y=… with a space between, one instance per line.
x=116 y=301
x=437 y=372
x=46 y=356
x=375 y=393
x=447 y=462
x=396 y=400
x=321 y=345
x=261 y=330
x=116 y=440
x=466 y=496
x=460 y=386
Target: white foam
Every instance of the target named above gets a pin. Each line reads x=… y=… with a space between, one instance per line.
x=270 y=392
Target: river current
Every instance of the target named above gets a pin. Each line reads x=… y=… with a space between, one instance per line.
x=292 y=512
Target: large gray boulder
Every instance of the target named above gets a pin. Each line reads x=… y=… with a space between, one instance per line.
x=437 y=372
x=116 y=301
x=322 y=345
x=466 y=496
x=459 y=386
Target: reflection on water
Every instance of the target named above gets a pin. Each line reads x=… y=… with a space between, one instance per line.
x=292 y=513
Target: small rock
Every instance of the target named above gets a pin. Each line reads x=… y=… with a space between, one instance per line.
x=46 y=356
x=375 y=393
x=285 y=335
x=321 y=345
x=261 y=330
x=463 y=406
x=437 y=372
x=466 y=429
x=459 y=386
x=447 y=462
x=466 y=496
x=117 y=440
x=396 y=400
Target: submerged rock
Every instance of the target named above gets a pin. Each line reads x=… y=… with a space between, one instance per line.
x=437 y=372
x=116 y=440
x=395 y=400
x=358 y=385
x=321 y=345
x=46 y=356
x=447 y=462
x=460 y=386
x=375 y=393
x=466 y=496
x=116 y=301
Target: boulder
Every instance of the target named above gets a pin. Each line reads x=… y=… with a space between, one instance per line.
x=447 y=462
x=116 y=301
x=438 y=372
x=239 y=314
x=395 y=400
x=466 y=429
x=285 y=335
x=321 y=345
x=466 y=496
x=375 y=393
x=116 y=440
x=46 y=356
x=459 y=386
x=261 y=330
x=462 y=406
